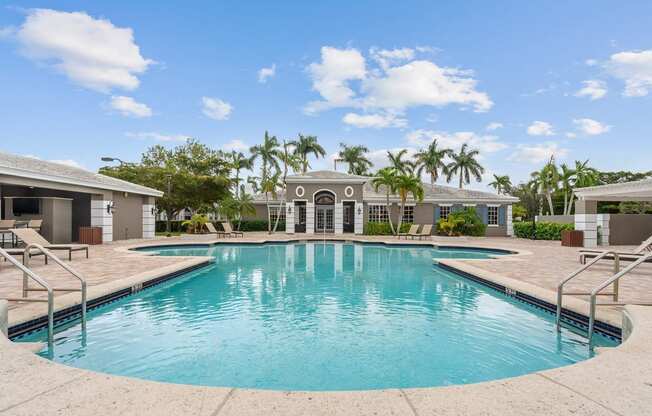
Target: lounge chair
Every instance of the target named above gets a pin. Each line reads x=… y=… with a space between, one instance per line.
x=35 y=225
x=5 y=229
x=228 y=229
x=425 y=232
x=412 y=232
x=644 y=248
x=211 y=229
x=29 y=236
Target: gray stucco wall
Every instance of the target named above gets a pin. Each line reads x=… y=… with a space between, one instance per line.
x=127 y=216
x=338 y=189
x=629 y=229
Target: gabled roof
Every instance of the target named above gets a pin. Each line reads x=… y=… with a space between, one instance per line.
x=327 y=176
x=32 y=168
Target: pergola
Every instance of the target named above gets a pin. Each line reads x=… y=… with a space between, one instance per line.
x=587 y=218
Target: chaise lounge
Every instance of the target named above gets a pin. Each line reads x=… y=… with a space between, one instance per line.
x=412 y=232
x=425 y=232
x=212 y=230
x=637 y=253
x=29 y=236
x=229 y=230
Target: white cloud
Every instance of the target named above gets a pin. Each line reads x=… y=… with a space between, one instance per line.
x=331 y=77
x=215 y=108
x=494 y=126
x=571 y=135
x=389 y=57
x=593 y=88
x=91 y=52
x=591 y=127
x=237 y=145
x=392 y=88
x=484 y=143
x=265 y=73
x=150 y=135
x=540 y=128
x=537 y=153
x=420 y=83
x=591 y=62
x=376 y=121
x=635 y=68
x=129 y=107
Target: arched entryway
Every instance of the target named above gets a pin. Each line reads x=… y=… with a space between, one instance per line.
x=324 y=211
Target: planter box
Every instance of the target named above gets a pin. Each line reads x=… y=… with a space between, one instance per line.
x=90 y=235
x=572 y=238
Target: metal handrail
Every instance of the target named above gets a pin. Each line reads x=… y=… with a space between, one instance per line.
x=560 y=286
x=612 y=279
x=48 y=254
x=28 y=273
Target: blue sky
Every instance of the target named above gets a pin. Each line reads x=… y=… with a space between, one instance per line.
x=518 y=80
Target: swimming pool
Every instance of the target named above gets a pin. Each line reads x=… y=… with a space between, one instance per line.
x=318 y=316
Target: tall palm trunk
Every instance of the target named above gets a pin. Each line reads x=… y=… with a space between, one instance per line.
x=550 y=206
x=269 y=214
x=389 y=214
x=433 y=179
x=400 y=214
x=237 y=183
x=461 y=179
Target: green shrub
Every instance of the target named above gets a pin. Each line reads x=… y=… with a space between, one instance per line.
x=544 y=230
x=382 y=228
x=465 y=222
x=175 y=226
x=257 y=225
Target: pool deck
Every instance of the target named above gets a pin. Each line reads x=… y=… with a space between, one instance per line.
x=617 y=382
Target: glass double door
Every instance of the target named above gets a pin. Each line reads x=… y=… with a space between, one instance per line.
x=324 y=218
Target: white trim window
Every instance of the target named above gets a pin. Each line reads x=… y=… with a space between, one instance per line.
x=377 y=213
x=492 y=216
x=408 y=214
x=444 y=211
x=273 y=212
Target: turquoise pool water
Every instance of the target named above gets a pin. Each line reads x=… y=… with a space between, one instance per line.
x=333 y=316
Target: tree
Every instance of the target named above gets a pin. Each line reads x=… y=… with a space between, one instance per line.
x=305 y=146
x=406 y=185
x=269 y=186
x=386 y=178
x=355 y=157
x=198 y=176
x=431 y=160
x=529 y=198
x=238 y=162
x=238 y=207
x=396 y=160
x=584 y=176
x=566 y=179
x=546 y=181
x=465 y=164
x=501 y=183
x=269 y=154
x=290 y=160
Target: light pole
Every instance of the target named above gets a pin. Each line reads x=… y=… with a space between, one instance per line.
x=113 y=159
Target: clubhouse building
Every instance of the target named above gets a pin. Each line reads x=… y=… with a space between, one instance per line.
x=336 y=202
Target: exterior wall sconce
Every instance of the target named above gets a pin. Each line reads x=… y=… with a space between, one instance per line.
x=110 y=207
x=289 y=209
x=153 y=211
x=359 y=211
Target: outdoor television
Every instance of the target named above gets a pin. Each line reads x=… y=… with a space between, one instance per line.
x=26 y=206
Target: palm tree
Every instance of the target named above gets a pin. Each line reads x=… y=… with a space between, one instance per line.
x=584 y=176
x=236 y=208
x=546 y=182
x=269 y=186
x=354 y=156
x=237 y=162
x=386 y=178
x=396 y=160
x=502 y=184
x=465 y=164
x=269 y=154
x=566 y=179
x=254 y=181
x=304 y=146
x=406 y=185
x=290 y=160
x=431 y=160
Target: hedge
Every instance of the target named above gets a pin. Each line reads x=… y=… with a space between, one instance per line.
x=246 y=225
x=465 y=222
x=175 y=227
x=544 y=230
x=382 y=228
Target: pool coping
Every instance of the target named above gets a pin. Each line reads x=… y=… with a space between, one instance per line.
x=616 y=381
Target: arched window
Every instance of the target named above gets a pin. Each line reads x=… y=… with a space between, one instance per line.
x=324 y=198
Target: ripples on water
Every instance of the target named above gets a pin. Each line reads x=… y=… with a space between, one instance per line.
x=329 y=316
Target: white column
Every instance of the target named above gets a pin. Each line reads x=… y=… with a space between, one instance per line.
x=588 y=224
x=602 y=224
x=508 y=221
x=101 y=217
x=338 y=217
x=289 y=218
x=310 y=218
x=149 y=222
x=359 y=216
